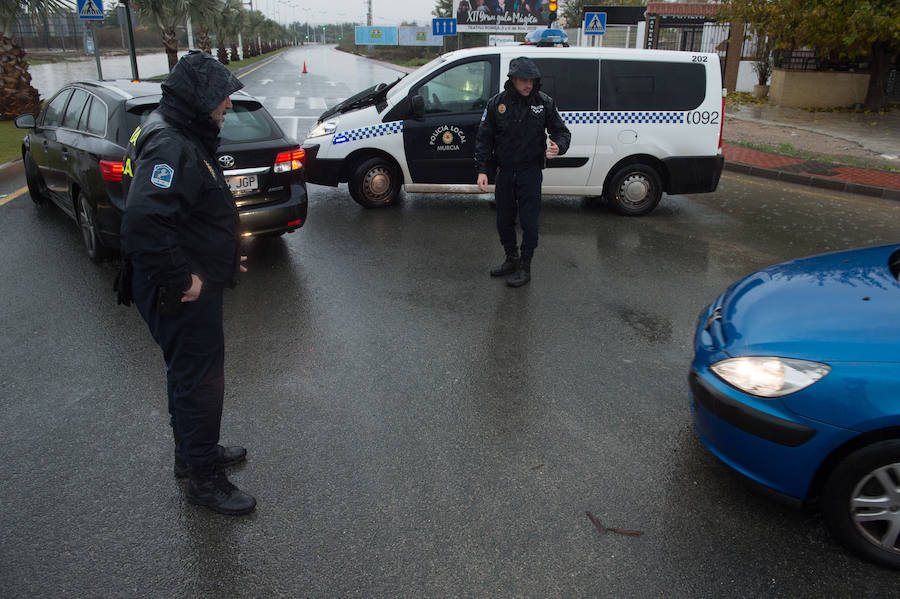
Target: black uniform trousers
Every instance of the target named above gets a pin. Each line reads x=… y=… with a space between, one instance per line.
x=518 y=191
x=193 y=345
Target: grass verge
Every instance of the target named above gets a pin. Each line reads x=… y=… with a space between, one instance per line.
x=791 y=151
x=10 y=142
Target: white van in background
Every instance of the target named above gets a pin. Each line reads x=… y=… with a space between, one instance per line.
x=643 y=122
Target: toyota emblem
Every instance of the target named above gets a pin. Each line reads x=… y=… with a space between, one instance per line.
x=226 y=161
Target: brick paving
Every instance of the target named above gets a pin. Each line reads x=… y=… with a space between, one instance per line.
x=870 y=182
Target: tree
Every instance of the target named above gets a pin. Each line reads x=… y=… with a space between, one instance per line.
x=167 y=14
x=205 y=15
x=838 y=29
x=233 y=18
x=17 y=96
x=443 y=9
x=252 y=27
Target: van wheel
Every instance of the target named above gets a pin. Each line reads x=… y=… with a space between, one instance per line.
x=87 y=222
x=635 y=190
x=37 y=189
x=375 y=183
x=861 y=502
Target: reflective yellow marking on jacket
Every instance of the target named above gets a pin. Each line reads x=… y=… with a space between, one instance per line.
x=135 y=135
x=127 y=169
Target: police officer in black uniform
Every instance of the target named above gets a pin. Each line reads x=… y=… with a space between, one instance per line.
x=512 y=134
x=180 y=237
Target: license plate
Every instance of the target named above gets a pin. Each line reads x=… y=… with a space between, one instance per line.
x=243 y=183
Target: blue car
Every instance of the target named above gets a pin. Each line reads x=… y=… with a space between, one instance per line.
x=795 y=384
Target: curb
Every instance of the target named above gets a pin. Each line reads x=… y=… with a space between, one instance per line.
x=814 y=181
x=10 y=166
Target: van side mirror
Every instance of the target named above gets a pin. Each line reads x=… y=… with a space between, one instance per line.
x=25 y=121
x=418 y=106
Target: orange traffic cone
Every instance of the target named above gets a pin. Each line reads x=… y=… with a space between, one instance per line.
x=304 y=66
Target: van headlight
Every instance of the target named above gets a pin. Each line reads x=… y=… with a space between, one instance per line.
x=766 y=376
x=324 y=128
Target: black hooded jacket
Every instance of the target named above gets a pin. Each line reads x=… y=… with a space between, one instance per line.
x=180 y=217
x=512 y=130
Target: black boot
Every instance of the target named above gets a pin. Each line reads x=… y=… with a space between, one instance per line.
x=226 y=456
x=509 y=266
x=522 y=274
x=211 y=488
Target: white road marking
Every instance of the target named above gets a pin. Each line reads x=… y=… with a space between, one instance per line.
x=285 y=103
x=291 y=124
x=265 y=82
x=317 y=103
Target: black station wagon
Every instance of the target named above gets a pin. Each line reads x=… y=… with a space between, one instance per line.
x=73 y=157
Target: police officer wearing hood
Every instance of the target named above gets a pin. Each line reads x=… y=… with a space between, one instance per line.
x=180 y=236
x=512 y=134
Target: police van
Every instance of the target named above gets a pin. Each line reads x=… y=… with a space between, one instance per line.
x=643 y=122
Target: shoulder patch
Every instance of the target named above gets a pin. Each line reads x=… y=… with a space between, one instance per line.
x=162 y=175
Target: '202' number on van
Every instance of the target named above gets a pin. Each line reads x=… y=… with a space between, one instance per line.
x=704 y=117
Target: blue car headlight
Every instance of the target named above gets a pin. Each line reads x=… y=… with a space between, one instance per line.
x=767 y=376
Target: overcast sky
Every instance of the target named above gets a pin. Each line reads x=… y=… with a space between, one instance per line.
x=384 y=12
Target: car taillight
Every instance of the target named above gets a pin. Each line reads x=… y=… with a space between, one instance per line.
x=111 y=171
x=289 y=161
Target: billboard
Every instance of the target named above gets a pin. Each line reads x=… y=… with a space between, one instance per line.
x=504 y=16
x=419 y=36
x=376 y=36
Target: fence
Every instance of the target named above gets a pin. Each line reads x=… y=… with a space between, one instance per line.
x=66 y=32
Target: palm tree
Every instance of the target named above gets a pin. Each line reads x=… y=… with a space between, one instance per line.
x=252 y=27
x=232 y=21
x=167 y=14
x=270 y=31
x=205 y=15
x=17 y=96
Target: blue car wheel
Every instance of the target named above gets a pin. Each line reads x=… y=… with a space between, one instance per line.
x=862 y=502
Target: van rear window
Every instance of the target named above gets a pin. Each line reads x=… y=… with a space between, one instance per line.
x=645 y=85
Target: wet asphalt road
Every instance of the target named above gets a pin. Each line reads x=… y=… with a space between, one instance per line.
x=415 y=428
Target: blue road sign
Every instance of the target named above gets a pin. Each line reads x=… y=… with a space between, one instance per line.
x=90 y=9
x=443 y=26
x=594 y=23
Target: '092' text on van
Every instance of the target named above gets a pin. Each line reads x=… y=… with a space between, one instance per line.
x=643 y=122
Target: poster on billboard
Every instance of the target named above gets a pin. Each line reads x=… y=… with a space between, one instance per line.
x=503 y=16
x=376 y=36
x=419 y=36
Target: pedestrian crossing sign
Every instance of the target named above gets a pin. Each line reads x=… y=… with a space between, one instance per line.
x=90 y=9
x=594 y=23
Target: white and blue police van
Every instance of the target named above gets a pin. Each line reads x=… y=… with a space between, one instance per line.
x=643 y=122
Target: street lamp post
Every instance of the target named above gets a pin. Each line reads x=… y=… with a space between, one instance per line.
x=134 y=69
